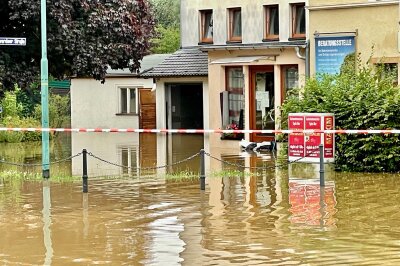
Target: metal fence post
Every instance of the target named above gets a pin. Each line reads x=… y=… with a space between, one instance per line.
x=321 y=166
x=202 y=171
x=84 y=176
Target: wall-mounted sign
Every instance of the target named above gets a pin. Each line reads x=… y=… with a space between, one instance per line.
x=331 y=53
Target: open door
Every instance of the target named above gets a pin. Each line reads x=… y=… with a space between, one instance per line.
x=262 y=102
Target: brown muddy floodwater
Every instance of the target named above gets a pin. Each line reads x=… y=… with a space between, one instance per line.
x=279 y=217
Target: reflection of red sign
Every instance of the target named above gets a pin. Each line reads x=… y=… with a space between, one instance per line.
x=296 y=140
x=305 y=201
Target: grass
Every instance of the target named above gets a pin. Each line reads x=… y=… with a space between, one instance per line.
x=180 y=176
x=13 y=175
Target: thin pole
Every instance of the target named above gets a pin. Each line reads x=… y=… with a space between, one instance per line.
x=84 y=174
x=321 y=166
x=44 y=81
x=202 y=171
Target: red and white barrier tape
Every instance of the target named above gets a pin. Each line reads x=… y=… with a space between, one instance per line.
x=203 y=131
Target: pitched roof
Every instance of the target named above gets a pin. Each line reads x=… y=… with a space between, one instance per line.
x=148 y=62
x=184 y=62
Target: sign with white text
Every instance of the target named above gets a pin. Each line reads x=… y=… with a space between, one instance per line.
x=332 y=52
x=12 y=41
x=306 y=146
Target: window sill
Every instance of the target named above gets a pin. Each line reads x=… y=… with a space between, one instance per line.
x=205 y=43
x=296 y=38
x=126 y=114
x=271 y=40
x=239 y=41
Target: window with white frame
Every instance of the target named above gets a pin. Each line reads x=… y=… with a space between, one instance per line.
x=128 y=101
x=129 y=159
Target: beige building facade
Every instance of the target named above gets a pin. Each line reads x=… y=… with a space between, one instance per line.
x=374 y=25
x=256 y=54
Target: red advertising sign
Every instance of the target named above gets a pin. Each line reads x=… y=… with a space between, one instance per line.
x=313 y=140
x=307 y=145
x=296 y=140
x=328 y=137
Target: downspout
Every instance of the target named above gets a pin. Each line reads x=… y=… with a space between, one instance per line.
x=304 y=57
x=307 y=59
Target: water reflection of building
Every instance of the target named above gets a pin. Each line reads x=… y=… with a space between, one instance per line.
x=139 y=154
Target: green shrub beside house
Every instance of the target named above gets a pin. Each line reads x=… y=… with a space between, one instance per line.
x=362 y=98
x=20 y=111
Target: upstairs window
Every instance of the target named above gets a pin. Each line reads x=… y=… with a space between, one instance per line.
x=298 y=20
x=235 y=24
x=127 y=101
x=206 y=26
x=271 y=22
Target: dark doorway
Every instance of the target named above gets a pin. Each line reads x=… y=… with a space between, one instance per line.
x=186 y=107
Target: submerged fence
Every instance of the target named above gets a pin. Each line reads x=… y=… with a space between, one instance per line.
x=204 y=131
x=202 y=153
x=202 y=175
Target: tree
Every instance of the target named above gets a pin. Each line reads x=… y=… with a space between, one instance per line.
x=84 y=37
x=167 y=16
x=167 y=41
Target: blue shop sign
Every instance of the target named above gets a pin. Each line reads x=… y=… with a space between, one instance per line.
x=331 y=52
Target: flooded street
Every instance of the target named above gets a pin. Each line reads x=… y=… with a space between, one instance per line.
x=281 y=216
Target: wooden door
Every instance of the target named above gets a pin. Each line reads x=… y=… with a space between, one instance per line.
x=147 y=109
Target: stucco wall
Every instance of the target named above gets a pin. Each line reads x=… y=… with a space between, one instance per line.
x=376 y=27
x=96 y=105
x=252 y=19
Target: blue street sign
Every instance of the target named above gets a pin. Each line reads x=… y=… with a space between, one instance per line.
x=12 y=41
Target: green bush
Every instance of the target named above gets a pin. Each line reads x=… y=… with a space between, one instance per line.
x=18 y=112
x=365 y=98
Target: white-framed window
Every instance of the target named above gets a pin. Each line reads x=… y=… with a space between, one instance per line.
x=129 y=157
x=128 y=102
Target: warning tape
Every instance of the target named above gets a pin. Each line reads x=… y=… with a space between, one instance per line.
x=203 y=131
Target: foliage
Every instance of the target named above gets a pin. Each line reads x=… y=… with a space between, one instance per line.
x=166 y=12
x=84 y=37
x=167 y=40
x=11 y=108
x=59 y=111
x=362 y=98
x=167 y=15
x=14 y=116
